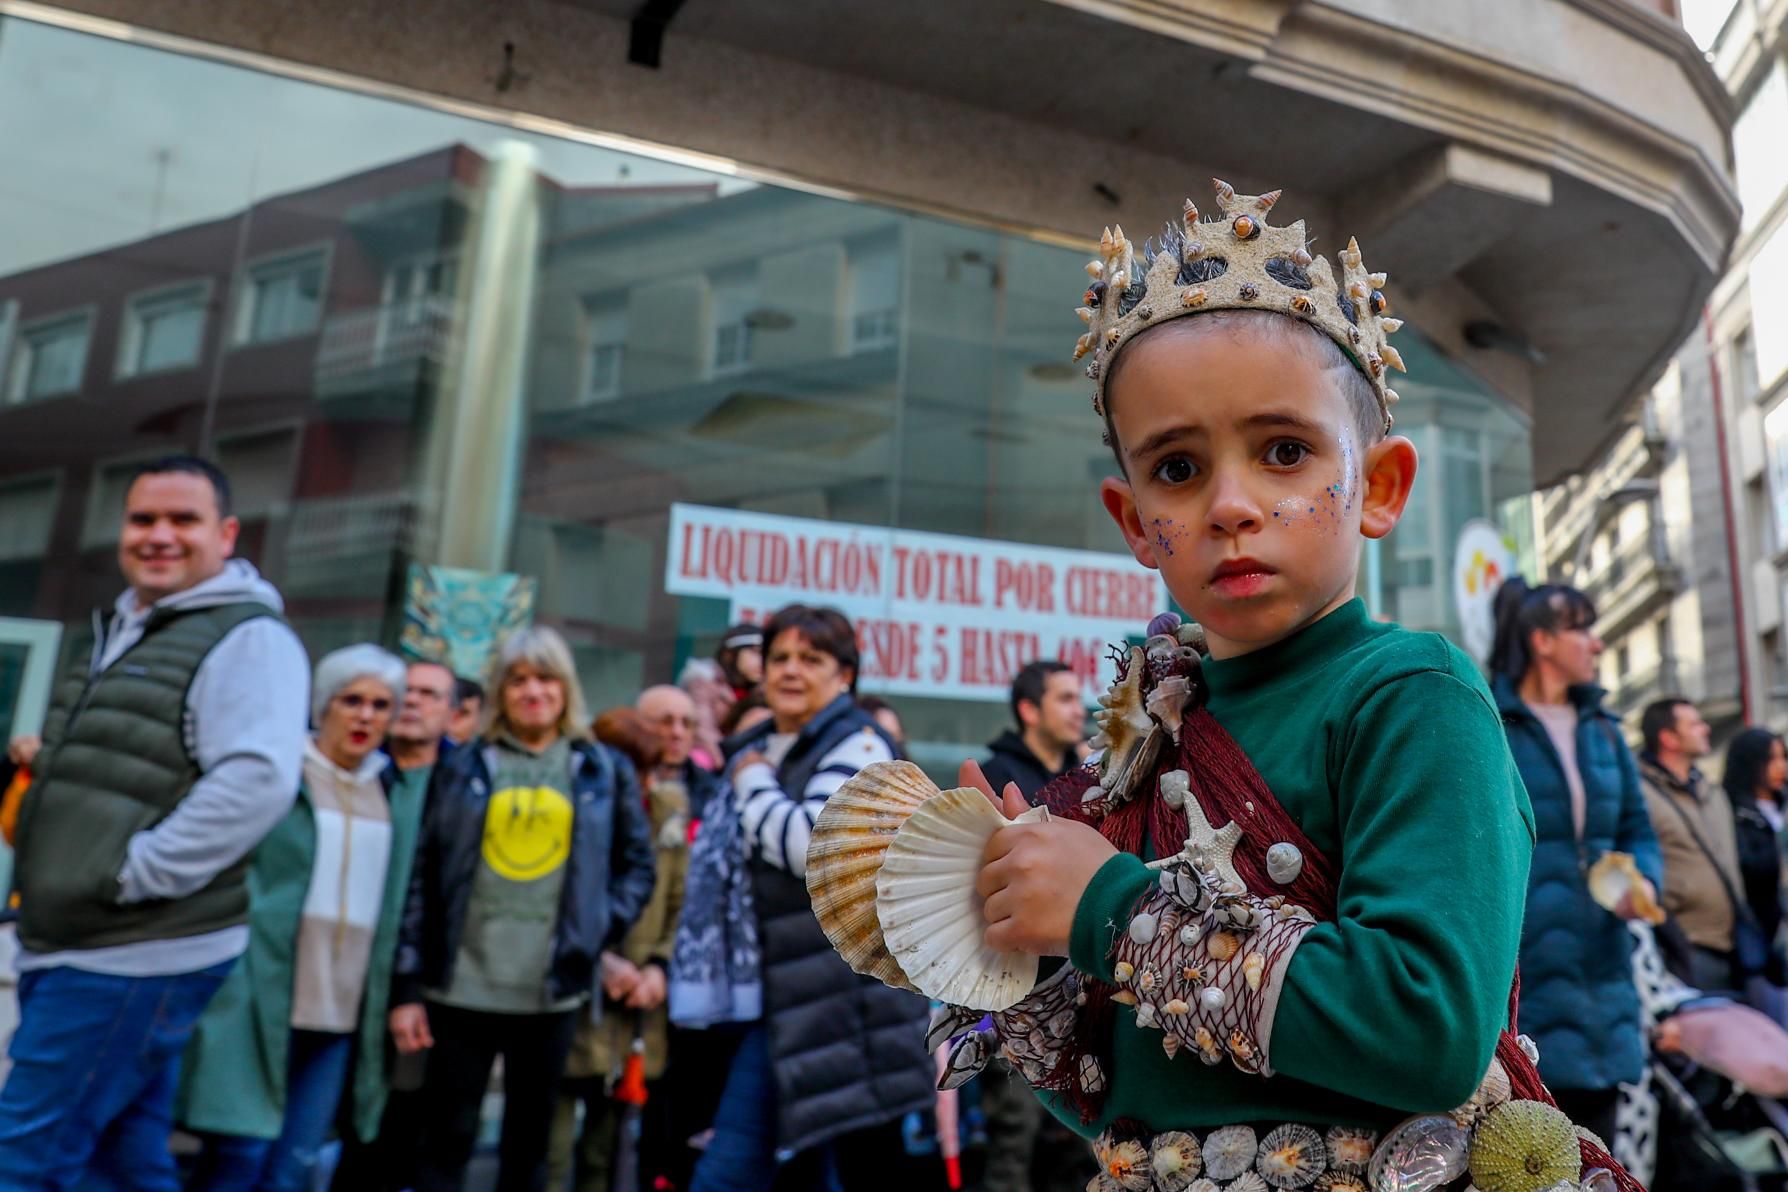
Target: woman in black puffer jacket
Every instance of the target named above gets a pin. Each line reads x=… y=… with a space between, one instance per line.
x=828 y=1062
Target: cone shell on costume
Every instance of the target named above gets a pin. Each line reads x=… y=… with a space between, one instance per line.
x=850 y=838
x=1229 y=1152
x=1524 y=1146
x=1175 y=1161
x=1291 y=1156
x=930 y=917
x=1614 y=877
x=1166 y=704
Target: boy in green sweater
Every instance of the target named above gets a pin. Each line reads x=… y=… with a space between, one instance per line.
x=1243 y=393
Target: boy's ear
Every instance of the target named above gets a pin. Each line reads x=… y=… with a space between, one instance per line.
x=1390 y=478
x=1120 y=502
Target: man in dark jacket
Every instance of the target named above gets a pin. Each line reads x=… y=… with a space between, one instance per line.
x=1051 y=720
x=170 y=751
x=671 y=714
x=1051 y=724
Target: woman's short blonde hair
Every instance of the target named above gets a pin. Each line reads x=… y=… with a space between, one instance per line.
x=545 y=650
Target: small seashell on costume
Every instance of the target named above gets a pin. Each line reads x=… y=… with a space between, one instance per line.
x=1213 y=998
x=967 y=1057
x=1420 y=1154
x=1221 y=945
x=1125 y=1163
x=1189 y=936
x=1145 y=1016
x=948 y=1022
x=1176 y=787
x=1492 y=1091
x=1284 y=861
x=1122 y=971
x=1229 y=1151
x=1175 y=1160
x=1143 y=926
x=1350 y=1148
x=1248 y=1181
x=1291 y=1156
x=1253 y=969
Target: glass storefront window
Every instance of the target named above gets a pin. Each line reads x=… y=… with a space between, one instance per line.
x=420 y=340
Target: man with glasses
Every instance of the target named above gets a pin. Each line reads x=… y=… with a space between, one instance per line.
x=418 y=739
x=671 y=714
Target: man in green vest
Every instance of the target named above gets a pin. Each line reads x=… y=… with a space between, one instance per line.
x=168 y=754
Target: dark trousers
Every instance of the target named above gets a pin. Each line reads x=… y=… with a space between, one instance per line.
x=467 y=1043
x=95 y=1062
x=1014 y=1116
x=1593 y=1109
x=386 y=1163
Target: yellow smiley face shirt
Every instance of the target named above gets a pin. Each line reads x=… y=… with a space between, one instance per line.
x=506 y=948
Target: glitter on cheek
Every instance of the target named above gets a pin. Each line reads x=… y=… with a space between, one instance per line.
x=1164 y=531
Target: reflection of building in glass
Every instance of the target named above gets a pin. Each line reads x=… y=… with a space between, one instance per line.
x=378 y=355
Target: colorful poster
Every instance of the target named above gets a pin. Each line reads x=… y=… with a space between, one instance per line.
x=460 y=617
x=936 y=614
x=1483 y=558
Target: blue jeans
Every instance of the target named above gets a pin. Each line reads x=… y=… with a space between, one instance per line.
x=741 y=1157
x=316 y=1071
x=95 y=1061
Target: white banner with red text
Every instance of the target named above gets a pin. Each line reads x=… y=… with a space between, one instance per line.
x=936 y=614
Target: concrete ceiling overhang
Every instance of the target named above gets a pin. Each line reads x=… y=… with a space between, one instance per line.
x=1565 y=160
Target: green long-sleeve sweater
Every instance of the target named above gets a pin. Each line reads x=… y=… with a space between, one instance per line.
x=1385 y=747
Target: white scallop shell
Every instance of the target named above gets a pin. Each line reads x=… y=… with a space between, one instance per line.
x=850 y=837
x=929 y=911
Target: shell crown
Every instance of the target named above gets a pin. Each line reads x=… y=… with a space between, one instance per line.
x=1234 y=260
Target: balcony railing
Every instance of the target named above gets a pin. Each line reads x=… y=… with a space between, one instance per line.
x=1634 y=559
x=363 y=342
x=343 y=527
x=1634 y=690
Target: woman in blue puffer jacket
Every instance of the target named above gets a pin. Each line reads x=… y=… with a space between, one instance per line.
x=1578 y=1002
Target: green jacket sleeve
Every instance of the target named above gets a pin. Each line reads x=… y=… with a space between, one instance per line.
x=1400 y=1001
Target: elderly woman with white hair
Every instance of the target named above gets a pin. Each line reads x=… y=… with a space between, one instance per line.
x=535 y=858
x=272 y=1054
